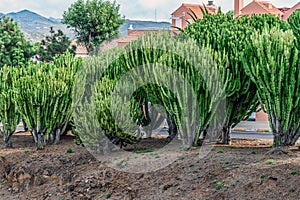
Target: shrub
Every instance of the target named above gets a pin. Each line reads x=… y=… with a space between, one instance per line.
x=43 y=94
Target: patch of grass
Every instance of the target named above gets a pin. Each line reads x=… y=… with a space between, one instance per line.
x=2 y=180
x=213 y=173
x=145 y=150
x=220 y=151
x=270 y=161
x=219 y=185
x=253 y=152
x=225 y=168
x=262 y=176
x=181 y=158
x=99 y=161
x=294 y=171
x=227 y=162
x=233 y=147
x=69 y=150
x=108 y=195
x=197 y=154
x=118 y=164
x=137 y=151
x=191 y=165
x=292 y=189
x=26 y=151
x=185 y=148
x=61 y=198
x=155 y=154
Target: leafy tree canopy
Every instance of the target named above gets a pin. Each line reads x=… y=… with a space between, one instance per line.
x=54 y=44
x=15 y=50
x=93 y=21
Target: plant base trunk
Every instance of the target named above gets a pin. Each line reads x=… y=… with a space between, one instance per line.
x=148 y=133
x=38 y=139
x=7 y=142
x=226 y=135
x=7 y=139
x=57 y=136
x=172 y=130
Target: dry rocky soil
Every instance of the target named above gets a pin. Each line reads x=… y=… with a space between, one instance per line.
x=241 y=170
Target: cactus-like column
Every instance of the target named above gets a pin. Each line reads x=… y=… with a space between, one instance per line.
x=272 y=61
x=228 y=36
x=44 y=97
x=294 y=21
x=9 y=114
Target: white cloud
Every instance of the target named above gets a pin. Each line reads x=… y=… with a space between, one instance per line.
x=132 y=9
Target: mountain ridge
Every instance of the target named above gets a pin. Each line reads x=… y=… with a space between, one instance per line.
x=35 y=26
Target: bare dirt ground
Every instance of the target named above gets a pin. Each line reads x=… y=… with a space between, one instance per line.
x=242 y=170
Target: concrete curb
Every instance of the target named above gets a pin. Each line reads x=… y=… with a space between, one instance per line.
x=261 y=130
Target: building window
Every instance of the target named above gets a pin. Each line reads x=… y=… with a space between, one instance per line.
x=189 y=20
x=178 y=23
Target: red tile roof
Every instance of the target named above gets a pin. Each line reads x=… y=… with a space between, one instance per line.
x=269 y=7
x=80 y=48
x=283 y=9
x=196 y=8
x=133 y=35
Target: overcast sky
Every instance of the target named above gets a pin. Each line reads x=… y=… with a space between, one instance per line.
x=131 y=9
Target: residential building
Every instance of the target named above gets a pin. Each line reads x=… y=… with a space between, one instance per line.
x=133 y=34
x=81 y=50
x=290 y=11
x=183 y=15
x=256 y=7
x=262 y=7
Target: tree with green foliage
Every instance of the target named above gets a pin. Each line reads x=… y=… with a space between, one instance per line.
x=15 y=50
x=227 y=35
x=93 y=21
x=272 y=61
x=53 y=45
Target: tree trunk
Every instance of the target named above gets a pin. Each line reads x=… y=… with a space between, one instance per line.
x=172 y=129
x=57 y=136
x=24 y=125
x=148 y=133
x=214 y=132
x=38 y=139
x=7 y=139
x=226 y=134
x=282 y=140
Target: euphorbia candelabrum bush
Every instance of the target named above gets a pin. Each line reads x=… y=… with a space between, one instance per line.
x=161 y=59
x=272 y=61
x=228 y=36
x=44 y=97
x=9 y=115
x=42 y=94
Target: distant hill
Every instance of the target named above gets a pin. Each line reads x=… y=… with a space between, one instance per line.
x=36 y=27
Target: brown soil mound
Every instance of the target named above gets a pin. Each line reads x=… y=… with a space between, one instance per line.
x=239 y=171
